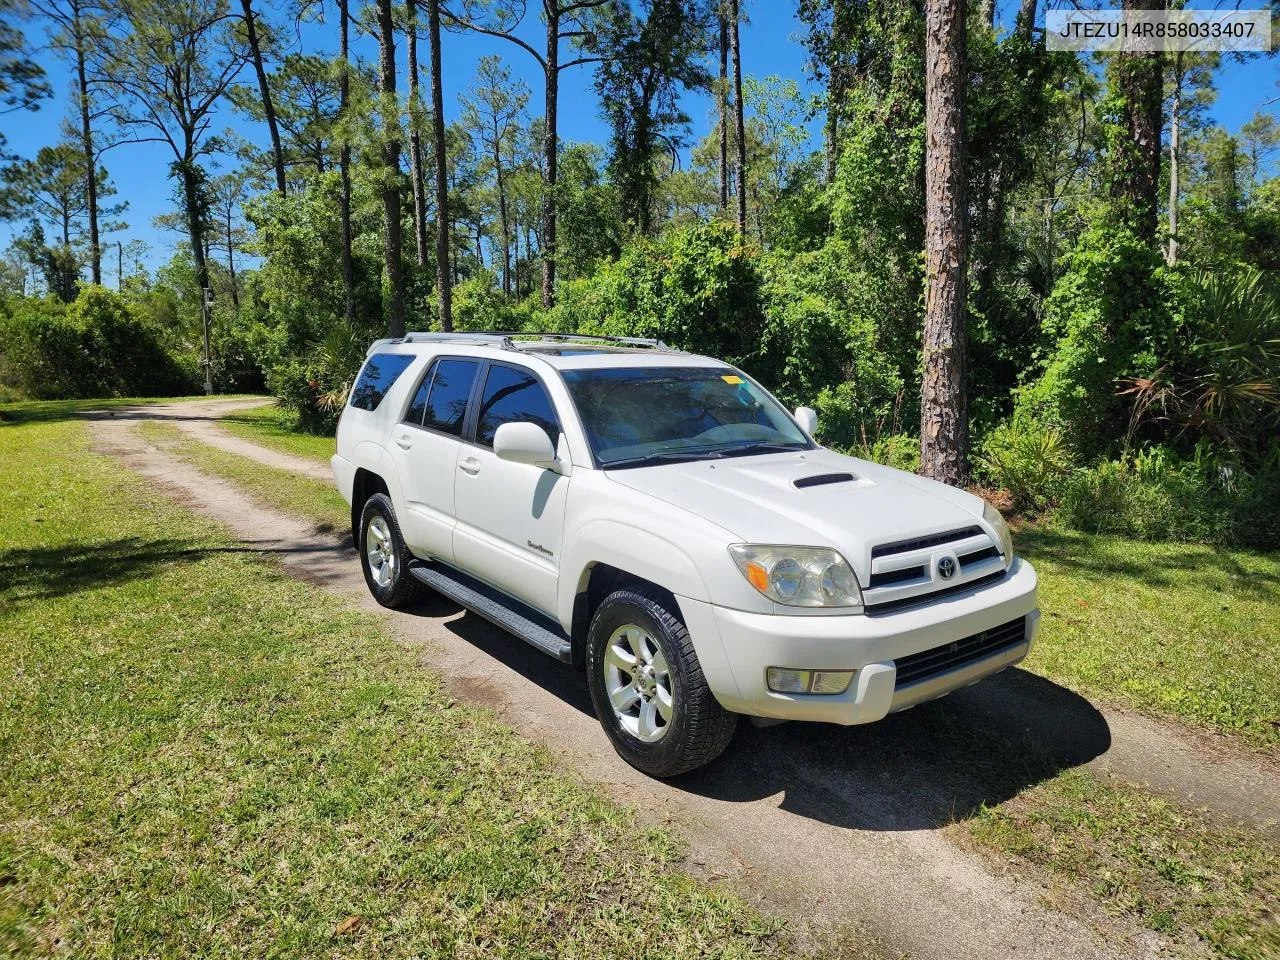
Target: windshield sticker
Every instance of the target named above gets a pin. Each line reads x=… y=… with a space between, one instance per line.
x=731 y=379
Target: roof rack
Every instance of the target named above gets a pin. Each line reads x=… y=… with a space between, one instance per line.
x=513 y=339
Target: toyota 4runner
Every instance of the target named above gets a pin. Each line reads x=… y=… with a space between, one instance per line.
x=661 y=521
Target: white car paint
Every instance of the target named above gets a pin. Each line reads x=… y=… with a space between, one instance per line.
x=536 y=533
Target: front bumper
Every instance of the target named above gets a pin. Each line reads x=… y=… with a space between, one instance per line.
x=735 y=648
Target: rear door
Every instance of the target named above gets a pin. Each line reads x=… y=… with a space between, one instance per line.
x=510 y=516
x=425 y=446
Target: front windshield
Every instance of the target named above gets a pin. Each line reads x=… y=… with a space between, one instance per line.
x=639 y=415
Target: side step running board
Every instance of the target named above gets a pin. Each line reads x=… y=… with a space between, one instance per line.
x=496 y=607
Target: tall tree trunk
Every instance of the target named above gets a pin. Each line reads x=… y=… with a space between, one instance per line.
x=415 y=139
x=1175 y=122
x=837 y=85
x=119 y=266
x=738 y=119
x=502 y=212
x=551 y=150
x=231 y=261
x=390 y=168
x=1026 y=19
x=86 y=145
x=344 y=166
x=944 y=432
x=195 y=224
x=255 y=48
x=1136 y=182
x=444 y=292
x=722 y=99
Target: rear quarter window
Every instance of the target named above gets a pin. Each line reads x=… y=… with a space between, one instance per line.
x=380 y=373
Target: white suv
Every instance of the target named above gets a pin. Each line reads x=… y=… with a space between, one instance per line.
x=660 y=520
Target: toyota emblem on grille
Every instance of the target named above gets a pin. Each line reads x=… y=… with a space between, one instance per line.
x=946 y=568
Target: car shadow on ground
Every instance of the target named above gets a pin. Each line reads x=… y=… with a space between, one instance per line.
x=31 y=574
x=919 y=769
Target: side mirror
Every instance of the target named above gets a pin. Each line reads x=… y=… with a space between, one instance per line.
x=525 y=443
x=807 y=417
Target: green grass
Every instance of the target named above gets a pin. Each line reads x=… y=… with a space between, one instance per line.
x=204 y=757
x=281 y=489
x=271 y=427
x=1171 y=628
x=1174 y=871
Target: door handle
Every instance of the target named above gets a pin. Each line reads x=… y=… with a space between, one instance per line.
x=470 y=465
x=404 y=443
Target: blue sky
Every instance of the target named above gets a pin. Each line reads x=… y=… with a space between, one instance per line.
x=770 y=45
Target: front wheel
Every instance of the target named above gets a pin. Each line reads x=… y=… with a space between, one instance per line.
x=384 y=556
x=648 y=689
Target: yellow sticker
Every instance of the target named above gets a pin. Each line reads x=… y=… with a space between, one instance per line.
x=731 y=379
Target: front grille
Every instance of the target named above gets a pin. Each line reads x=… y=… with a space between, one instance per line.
x=952 y=656
x=921 y=543
x=890 y=577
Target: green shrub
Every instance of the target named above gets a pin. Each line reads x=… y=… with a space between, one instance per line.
x=1156 y=496
x=1028 y=459
x=1109 y=318
x=313 y=388
x=696 y=288
x=898 y=450
x=479 y=304
x=100 y=345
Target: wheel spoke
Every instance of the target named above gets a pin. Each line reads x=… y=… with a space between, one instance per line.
x=619 y=658
x=624 y=698
x=662 y=697
x=643 y=646
x=647 y=728
x=659 y=662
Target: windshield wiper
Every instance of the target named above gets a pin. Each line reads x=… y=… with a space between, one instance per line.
x=764 y=446
x=669 y=456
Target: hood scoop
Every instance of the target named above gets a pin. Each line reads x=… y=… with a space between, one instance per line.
x=823 y=479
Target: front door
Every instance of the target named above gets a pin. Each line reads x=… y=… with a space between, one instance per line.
x=510 y=516
x=425 y=447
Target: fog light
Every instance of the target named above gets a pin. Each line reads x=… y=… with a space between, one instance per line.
x=823 y=682
x=782 y=680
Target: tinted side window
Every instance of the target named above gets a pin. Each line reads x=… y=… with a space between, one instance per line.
x=512 y=396
x=450 y=387
x=418 y=405
x=380 y=372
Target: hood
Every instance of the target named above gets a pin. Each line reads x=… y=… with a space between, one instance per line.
x=756 y=499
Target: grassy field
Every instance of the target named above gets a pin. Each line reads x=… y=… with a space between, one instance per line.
x=270 y=426
x=1175 y=871
x=205 y=757
x=1186 y=630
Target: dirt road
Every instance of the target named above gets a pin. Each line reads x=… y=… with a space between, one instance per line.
x=828 y=826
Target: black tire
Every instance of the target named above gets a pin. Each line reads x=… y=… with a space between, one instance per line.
x=699 y=728
x=400 y=587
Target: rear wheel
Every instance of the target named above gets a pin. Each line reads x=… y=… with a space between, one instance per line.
x=648 y=689
x=384 y=556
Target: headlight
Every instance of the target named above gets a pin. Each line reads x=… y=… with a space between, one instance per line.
x=798 y=576
x=992 y=516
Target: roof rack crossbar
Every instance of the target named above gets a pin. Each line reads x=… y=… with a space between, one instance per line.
x=507 y=338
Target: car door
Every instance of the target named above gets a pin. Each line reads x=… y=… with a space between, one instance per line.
x=425 y=446
x=510 y=516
